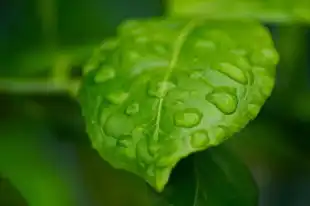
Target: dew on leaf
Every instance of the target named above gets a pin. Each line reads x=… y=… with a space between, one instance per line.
x=225 y=102
x=117 y=97
x=253 y=110
x=187 y=118
x=118 y=125
x=104 y=74
x=132 y=109
x=233 y=72
x=218 y=135
x=160 y=89
x=199 y=139
x=265 y=57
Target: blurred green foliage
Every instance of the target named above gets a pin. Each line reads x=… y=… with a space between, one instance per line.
x=48 y=38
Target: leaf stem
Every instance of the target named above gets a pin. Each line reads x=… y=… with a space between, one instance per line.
x=38 y=86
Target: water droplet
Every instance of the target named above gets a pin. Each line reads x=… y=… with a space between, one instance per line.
x=199 y=139
x=160 y=89
x=118 y=125
x=132 y=109
x=253 y=110
x=265 y=57
x=225 y=102
x=117 y=97
x=104 y=74
x=124 y=141
x=233 y=72
x=219 y=135
x=187 y=118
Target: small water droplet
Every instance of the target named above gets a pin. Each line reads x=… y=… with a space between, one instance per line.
x=253 y=110
x=199 y=139
x=225 y=102
x=187 y=118
x=117 y=97
x=132 y=109
x=265 y=57
x=219 y=135
x=104 y=74
x=233 y=72
x=160 y=89
x=118 y=125
x=124 y=141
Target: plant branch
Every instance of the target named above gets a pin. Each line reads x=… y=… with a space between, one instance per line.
x=38 y=86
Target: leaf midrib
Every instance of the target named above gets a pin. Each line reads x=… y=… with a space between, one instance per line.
x=178 y=44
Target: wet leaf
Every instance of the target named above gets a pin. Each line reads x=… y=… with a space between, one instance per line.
x=165 y=88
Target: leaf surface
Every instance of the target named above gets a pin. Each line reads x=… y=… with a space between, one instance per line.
x=166 y=88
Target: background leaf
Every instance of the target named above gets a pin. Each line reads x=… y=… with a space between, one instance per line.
x=264 y=10
x=213 y=177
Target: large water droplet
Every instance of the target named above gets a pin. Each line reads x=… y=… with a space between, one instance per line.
x=225 y=102
x=118 y=125
x=117 y=97
x=187 y=118
x=160 y=89
x=199 y=139
x=233 y=72
x=104 y=74
x=132 y=109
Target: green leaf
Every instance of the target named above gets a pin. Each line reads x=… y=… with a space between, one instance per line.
x=213 y=177
x=165 y=88
x=265 y=10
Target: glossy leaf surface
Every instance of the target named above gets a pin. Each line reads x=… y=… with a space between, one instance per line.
x=213 y=177
x=265 y=10
x=165 y=88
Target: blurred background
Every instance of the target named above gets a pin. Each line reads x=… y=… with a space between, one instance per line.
x=44 y=150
